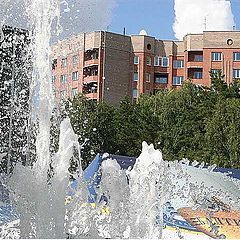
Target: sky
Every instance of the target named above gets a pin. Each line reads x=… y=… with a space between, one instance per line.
x=155 y=16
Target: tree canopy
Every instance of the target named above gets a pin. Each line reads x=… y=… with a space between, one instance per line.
x=193 y=122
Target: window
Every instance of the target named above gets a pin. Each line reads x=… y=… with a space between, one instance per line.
x=197 y=75
x=148 y=77
x=74 y=92
x=75 y=59
x=236 y=73
x=62 y=94
x=165 y=62
x=94 y=55
x=63 y=78
x=216 y=56
x=135 y=76
x=215 y=71
x=198 y=58
x=148 y=61
x=236 y=56
x=177 y=80
x=64 y=62
x=135 y=93
x=162 y=80
x=75 y=76
x=156 y=61
x=178 y=64
x=91 y=87
x=54 y=64
x=136 y=60
x=54 y=78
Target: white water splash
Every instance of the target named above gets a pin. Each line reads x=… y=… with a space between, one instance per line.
x=144 y=180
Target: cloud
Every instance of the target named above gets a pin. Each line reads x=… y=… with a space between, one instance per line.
x=195 y=16
x=85 y=15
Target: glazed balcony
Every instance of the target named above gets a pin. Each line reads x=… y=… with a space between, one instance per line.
x=195 y=59
x=90 y=89
x=195 y=74
x=90 y=71
x=91 y=54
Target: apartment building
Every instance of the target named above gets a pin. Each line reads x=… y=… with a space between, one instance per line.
x=107 y=66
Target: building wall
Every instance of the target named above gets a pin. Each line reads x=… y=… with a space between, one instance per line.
x=116 y=67
x=219 y=42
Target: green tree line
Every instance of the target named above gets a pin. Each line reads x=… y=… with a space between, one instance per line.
x=193 y=122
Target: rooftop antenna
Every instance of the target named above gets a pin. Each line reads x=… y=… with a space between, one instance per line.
x=124 y=31
x=234 y=27
x=205 y=23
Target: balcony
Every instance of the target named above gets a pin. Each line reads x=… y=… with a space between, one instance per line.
x=90 y=89
x=90 y=71
x=195 y=74
x=161 y=79
x=195 y=59
x=91 y=54
x=92 y=95
x=194 y=65
x=91 y=62
x=90 y=79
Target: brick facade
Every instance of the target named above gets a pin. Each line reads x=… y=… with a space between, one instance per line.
x=111 y=66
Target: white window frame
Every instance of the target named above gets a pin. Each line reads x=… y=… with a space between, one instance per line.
x=214 y=71
x=63 y=78
x=74 y=92
x=75 y=76
x=179 y=80
x=235 y=58
x=236 y=73
x=162 y=61
x=216 y=56
x=178 y=63
x=135 y=74
x=198 y=75
x=161 y=82
x=136 y=60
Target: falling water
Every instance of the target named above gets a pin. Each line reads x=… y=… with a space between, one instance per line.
x=38 y=197
x=129 y=203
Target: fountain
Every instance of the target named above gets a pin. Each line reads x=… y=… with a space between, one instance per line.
x=129 y=203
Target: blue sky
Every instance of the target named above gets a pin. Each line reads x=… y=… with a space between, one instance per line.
x=155 y=16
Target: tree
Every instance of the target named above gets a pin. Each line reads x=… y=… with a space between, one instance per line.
x=223 y=133
x=81 y=112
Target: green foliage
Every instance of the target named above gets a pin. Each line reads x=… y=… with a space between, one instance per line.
x=223 y=133
x=193 y=122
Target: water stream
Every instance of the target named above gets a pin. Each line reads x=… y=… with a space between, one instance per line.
x=134 y=199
